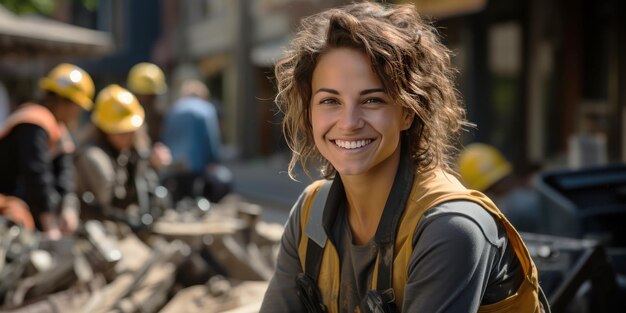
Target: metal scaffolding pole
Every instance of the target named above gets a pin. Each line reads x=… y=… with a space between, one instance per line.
x=247 y=109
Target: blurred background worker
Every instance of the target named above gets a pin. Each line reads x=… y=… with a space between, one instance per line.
x=114 y=176
x=147 y=81
x=484 y=168
x=36 y=160
x=192 y=133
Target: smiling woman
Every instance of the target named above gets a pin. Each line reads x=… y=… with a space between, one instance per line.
x=356 y=125
x=390 y=228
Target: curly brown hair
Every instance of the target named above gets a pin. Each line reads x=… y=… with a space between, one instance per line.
x=406 y=54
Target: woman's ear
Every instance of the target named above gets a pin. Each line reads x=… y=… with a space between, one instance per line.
x=407 y=119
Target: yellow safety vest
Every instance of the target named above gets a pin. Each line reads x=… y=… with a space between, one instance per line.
x=429 y=189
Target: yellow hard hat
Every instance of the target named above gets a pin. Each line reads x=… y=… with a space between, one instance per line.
x=481 y=165
x=71 y=82
x=117 y=111
x=146 y=79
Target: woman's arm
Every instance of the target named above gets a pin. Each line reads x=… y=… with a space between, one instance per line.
x=281 y=293
x=455 y=246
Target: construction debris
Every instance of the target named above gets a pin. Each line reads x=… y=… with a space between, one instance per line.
x=201 y=257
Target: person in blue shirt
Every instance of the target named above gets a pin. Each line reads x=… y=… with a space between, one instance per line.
x=192 y=133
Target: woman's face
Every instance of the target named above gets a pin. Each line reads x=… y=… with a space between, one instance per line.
x=123 y=141
x=356 y=127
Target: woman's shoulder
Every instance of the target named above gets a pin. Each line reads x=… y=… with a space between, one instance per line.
x=462 y=218
x=315 y=185
x=311 y=190
x=309 y=195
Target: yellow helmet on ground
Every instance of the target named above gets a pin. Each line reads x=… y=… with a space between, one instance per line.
x=117 y=111
x=71 y=82
x=146 y=79
x=481 y=165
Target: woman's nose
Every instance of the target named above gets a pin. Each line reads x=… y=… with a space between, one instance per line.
x=351 y=117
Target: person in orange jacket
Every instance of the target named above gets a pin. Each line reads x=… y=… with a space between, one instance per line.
x=36 y=159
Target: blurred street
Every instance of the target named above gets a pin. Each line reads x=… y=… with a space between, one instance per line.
x=265 y=182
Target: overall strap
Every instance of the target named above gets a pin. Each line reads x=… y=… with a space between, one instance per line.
x=315 y=233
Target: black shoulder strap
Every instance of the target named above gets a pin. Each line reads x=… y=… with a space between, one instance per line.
x=385 y=236
x=313 y=259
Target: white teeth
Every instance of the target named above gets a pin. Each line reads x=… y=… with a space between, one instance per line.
x=352 y=144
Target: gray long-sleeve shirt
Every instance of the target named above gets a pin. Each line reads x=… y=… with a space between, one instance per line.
x=461 y=259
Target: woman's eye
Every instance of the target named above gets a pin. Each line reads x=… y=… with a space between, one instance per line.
x=373 y=101
x=328 y=101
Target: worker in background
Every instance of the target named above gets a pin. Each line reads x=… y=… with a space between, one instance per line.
x=114 y=177
x=147 y=81
x=192 y=132
x=36 y=159
x=484 y=168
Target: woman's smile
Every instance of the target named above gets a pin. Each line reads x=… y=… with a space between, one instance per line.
x=352 y=144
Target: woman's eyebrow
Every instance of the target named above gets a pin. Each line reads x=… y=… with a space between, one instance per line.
x=363 y=92
x=373 y=90
x=333 y=91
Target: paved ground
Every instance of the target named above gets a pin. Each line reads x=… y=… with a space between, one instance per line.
x=265 y=182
